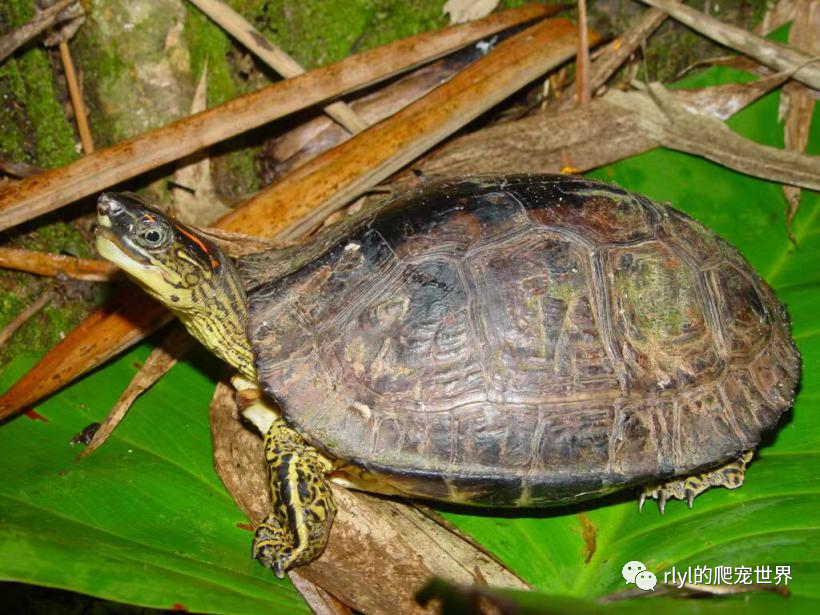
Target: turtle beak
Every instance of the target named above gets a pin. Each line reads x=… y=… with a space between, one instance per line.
x=108 y=207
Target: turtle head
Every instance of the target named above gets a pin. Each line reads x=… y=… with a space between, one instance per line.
x=180 y=268
x=170 y=260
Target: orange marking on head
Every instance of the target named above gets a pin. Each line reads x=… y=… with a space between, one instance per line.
x=214 y=261
x=149 y=217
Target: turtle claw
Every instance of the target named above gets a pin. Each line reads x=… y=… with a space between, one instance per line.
x=689 y=487
x=272 y=546
x=662 y=501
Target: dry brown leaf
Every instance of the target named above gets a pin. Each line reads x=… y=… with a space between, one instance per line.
x=797 y=101
x=195 y=198
x=161 y=359
x=776 y=16
x=59 y=265
x=380 y=551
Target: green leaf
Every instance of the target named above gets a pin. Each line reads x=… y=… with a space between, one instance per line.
x=774 y=519
x=146 y=520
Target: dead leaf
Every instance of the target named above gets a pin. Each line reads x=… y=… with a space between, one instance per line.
x=797 y=101
x=395 y=547
x=195 y=199
x=776 y=16
x=161 y=359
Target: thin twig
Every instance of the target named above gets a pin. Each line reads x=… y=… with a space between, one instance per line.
x=582 y=90
x=238 y=27
x=76 y=99
x=774 y=55
x=23 y=317
x=15 y=39
x=54 y=265
x=616 y=53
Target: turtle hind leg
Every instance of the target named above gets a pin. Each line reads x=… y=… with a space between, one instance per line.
x=303 y=506
x=688 y=488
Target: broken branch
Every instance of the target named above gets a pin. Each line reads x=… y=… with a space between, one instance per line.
x=54 y=265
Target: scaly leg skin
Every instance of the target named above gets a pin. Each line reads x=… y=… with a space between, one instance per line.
x=303 y=506
x=729 y=476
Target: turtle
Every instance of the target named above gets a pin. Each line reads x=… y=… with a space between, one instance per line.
x=495 y=341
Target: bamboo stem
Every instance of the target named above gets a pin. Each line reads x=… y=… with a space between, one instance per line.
x=53 y=189
x=76 y=99
x=238 y=27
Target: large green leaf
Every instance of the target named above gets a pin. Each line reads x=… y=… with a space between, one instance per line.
x=146 y=520
x=143 y=520
x=774 y=519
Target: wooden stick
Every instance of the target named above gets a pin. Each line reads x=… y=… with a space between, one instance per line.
x=275 y=57
x=774 y=55
x=76 y=99
x=308 y=195
x=23 y=317
x=43 y=263
x=35 y=196
x=582 y=89
x=15 y=39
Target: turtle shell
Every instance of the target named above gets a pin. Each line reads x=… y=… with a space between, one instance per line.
x=521 y=341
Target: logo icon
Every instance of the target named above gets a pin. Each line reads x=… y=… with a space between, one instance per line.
x=631 y=570
x=635 y=572
x=646 y=580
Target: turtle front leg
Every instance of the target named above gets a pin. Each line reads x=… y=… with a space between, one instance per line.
x=303 y=506
x=730 y=476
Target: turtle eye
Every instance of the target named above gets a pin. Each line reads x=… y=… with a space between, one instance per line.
x=152 y=236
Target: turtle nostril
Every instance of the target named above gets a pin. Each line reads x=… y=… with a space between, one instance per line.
x=108 y=204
